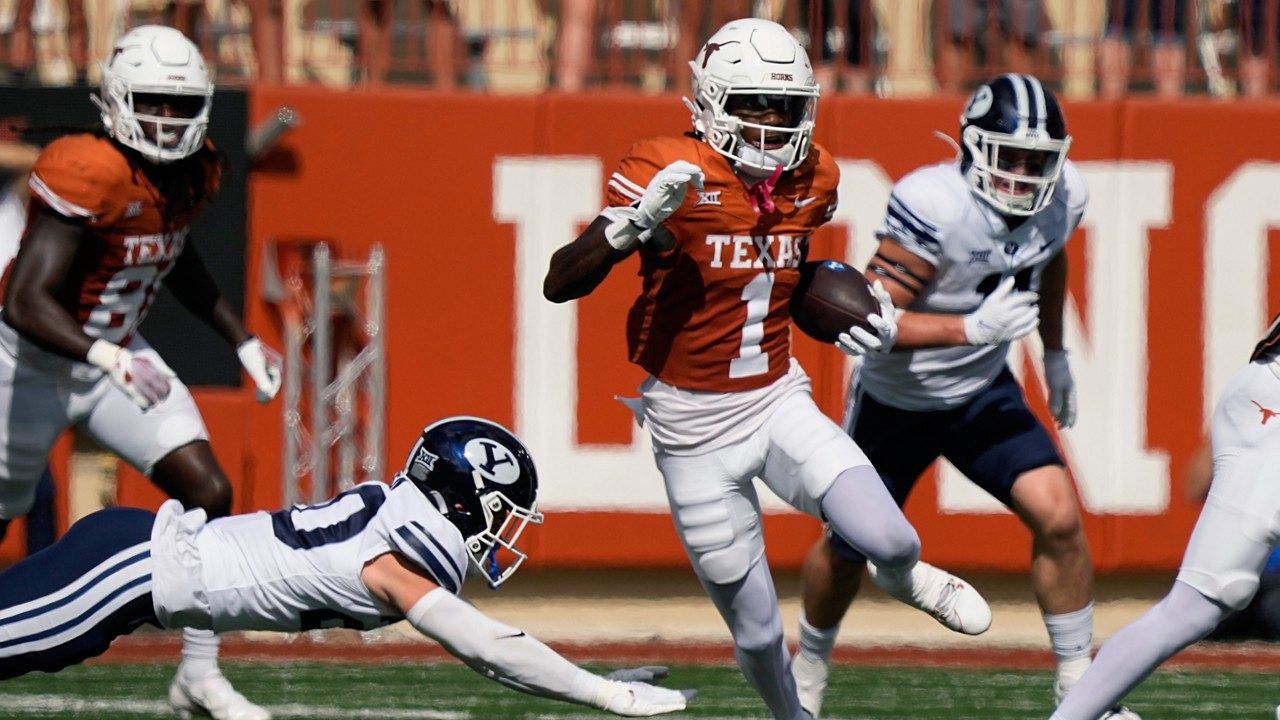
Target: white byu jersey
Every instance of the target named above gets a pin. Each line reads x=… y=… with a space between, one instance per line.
x=933 y=213
x=297 y=569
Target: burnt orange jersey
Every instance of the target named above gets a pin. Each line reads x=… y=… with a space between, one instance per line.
x=712 y=314
x=127 y=249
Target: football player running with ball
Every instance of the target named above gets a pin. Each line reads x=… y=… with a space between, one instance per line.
x=721 y=220
x=107 y=222
x=1238 y=529
x=371 y=556
x=972 y=251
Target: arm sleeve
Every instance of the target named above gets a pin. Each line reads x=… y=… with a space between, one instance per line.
x=505 y=654
x=908 y=220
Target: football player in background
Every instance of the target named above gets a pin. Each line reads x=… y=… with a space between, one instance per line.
x=972 y=251
x=16 y=161
x=108 y=220
x=1229 y=547
x=371 y=556
x=721 y=220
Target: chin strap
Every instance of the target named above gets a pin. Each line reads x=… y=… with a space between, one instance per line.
x=761 y=194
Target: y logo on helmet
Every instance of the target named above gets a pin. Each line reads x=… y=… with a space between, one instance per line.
x=711 y=48
x=493 y=460
x=980 y=103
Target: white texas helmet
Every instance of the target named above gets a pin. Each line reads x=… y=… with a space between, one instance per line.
x=754 y=58
x=158 y=60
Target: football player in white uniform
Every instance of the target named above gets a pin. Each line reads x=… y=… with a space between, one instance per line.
x=971 y=251
x=373 y=555
x=1237 y=530
x=108 y=220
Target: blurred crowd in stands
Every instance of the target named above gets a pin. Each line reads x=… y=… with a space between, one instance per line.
x=1086 y=48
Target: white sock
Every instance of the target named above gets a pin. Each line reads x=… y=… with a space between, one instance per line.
x=1071 y=637
x=199 y=654
x=815 y=642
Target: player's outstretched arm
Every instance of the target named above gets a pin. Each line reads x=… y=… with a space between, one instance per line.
x=579 y=267
x=507 y=655
x=194 y=287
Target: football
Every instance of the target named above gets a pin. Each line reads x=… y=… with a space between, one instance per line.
x=830 y=298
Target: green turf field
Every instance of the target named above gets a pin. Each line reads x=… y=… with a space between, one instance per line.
x=447 y=692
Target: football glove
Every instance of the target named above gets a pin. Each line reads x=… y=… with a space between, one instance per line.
x=144 y=379
x=661 y=198
x=639 y=699
x=1006 y=314
x=264 y=367
x=1062 y=387
x=857 y=341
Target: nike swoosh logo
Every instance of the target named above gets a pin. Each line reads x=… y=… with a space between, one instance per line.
x=805 y=202
x=508 y=637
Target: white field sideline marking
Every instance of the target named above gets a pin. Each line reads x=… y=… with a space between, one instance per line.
x=46 y=704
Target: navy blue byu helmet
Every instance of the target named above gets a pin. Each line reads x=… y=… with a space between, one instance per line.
x=480 y=477
x=1013 y=142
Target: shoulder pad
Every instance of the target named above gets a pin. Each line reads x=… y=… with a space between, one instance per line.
x=80 y=177
x=1073 y=189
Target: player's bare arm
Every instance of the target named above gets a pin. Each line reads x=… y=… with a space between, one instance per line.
x=905 y=274
x=1057 y=369
x=31 y=299
x=1053 y=297
x=193 y=286
x=579 y=267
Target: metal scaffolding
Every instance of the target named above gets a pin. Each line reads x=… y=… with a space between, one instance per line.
x=335 y=374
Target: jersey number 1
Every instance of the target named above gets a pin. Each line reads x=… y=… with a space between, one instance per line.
x=751 y=360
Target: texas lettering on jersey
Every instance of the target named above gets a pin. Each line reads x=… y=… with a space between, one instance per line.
x=712 y=311
x=130 y=244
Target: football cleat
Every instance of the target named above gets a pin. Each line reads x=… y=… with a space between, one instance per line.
x=950 y=600
x=810 y=674
x=212 y=697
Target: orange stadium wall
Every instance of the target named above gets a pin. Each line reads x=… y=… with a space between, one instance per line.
x=469 y=194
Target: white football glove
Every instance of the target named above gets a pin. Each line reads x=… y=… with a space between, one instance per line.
x=857 y=341
x=145 y=380
x=1062 y=387
x=1006 y=314
x=639 y=699
x=263 y=365
x=661 y=198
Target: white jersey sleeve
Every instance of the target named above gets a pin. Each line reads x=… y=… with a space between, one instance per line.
x=299 y=568
x=1075 y=194
x=413 y=527
x=920 y=207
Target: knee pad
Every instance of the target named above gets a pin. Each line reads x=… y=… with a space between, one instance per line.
x=721 y=543
x=1233 y=589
